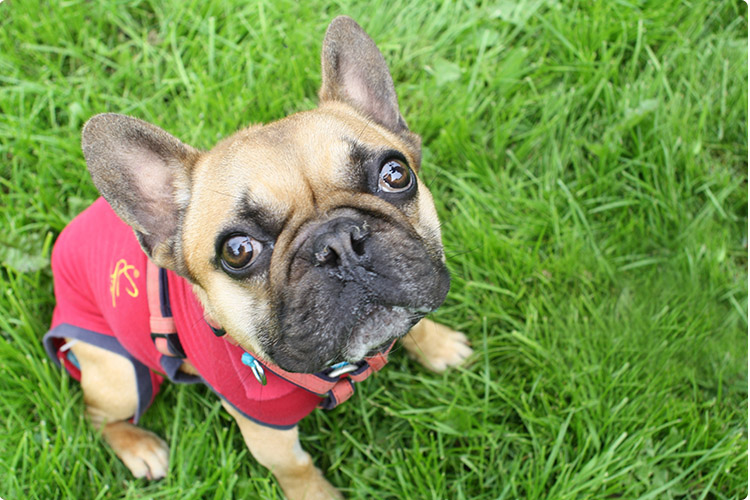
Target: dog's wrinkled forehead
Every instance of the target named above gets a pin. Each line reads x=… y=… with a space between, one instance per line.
x=297 y=163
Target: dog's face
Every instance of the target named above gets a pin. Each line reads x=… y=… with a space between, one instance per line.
x=318 y=251
x=311 y=240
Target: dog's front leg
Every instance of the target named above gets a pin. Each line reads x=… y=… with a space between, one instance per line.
x=111 y=397
x=280 y=452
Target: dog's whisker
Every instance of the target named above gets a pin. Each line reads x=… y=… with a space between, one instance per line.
x=366 y=125
x=455 y=254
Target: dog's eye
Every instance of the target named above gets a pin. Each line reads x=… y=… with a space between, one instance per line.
x=395 y=177
x=239 y=251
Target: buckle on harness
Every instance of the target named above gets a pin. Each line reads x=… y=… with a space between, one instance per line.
x=255 y=367
x=340 y=369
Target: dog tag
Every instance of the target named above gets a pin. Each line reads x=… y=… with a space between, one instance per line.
x=255 y=366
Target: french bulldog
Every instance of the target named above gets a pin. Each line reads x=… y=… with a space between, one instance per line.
x=300 y=248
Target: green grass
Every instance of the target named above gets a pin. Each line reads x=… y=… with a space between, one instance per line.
x=589 y=161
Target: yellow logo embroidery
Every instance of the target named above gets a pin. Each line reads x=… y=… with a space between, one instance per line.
x=122 y=268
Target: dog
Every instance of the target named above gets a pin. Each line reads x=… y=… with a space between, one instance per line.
x=278 y=268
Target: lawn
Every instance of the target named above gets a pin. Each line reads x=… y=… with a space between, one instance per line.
x=589 y=164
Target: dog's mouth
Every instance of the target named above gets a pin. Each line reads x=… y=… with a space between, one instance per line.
x=373 y=332
x=377 y=329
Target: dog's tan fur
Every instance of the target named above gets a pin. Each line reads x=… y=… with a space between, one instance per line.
x=110 y=394
x=295 y=168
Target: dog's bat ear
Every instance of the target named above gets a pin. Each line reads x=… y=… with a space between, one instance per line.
x=355 y=72
x=144 y=174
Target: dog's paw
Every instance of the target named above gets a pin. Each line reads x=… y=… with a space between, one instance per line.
x=312 y=486
x=142 y=451
x=451 y=349
x=436 y=346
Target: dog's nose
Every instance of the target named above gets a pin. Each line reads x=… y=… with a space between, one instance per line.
x=341 y=243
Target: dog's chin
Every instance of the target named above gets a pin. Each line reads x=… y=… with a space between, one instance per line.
x=376 y=326
x=378 y=329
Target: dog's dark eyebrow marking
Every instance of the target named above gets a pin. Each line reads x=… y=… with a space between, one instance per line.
x=359 y=157
x=269 y=222
x=358 y=153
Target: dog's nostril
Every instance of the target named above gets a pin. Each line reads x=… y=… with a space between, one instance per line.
x=325 y=255
x=358 y=237
x=358 y=247
x=344 y=244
